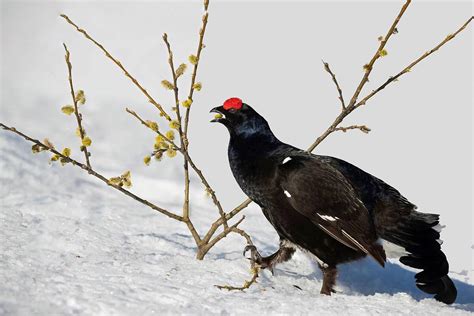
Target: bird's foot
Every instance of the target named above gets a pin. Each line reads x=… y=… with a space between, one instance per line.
x=257 y=260
x=327 y=291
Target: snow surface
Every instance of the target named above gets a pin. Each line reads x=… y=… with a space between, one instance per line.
x=70 y=245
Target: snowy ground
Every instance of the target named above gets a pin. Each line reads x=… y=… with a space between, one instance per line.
x=69 y=245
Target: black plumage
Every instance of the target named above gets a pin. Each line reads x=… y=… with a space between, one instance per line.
x=328 y=207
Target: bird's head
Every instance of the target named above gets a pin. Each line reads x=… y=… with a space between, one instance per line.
x=240 y=118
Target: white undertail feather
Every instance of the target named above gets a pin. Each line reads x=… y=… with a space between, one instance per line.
x=438 y=228
x=392 y=250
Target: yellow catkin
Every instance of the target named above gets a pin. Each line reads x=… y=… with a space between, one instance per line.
x=197 y=86
x=66 y=152
x=115 y=181
x=80 y=97
x=383 y=53
x=67 y=109
x=170 y=135
x=152 y=125
x=170 y=152
x=193 y=59
x=174 y=124
x=86 y=141
x=147 y=160
x=180 y=70
x=167 y=85
x=187 y=103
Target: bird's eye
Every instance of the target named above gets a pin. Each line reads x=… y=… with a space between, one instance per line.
x=232 y=110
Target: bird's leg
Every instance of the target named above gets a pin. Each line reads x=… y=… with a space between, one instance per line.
x=283 y=254
x=329 y=279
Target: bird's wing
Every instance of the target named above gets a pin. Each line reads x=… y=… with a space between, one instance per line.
x=322 y=194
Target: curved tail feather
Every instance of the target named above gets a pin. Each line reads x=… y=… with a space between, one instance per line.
x=417 y=234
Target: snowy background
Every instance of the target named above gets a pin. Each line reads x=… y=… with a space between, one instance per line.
x=70 y=245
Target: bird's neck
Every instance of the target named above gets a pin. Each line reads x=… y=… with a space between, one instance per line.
x=255 y=145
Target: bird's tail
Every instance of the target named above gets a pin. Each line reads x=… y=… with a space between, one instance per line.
x=418 y=234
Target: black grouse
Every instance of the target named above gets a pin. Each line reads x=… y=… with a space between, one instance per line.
x=328 y=207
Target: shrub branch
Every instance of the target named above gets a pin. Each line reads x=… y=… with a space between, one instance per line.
x=76 y=108
x=119 y=64
x=93 y=173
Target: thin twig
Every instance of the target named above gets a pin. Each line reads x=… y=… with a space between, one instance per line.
x=134 y=114
x=94 y=173
x=223 y=219
x=76 y=108
x=207 y=245
x=202 y=31
x=119 y=64
x=228 y=216
x=339 y=90
x=413 y=64
x=247 y=284
x=182 y=137
x=369 y=66
x=209 y=189
x=362 y=128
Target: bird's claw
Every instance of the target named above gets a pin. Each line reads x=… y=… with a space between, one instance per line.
x=256 y=258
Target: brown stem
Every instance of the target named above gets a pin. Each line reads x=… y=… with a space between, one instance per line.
x=247 y=284
x=182 y=137
x=95 y=174
x=414 y=63
x=134 y=114
x=207 y=245
x=223 y=218
x=119 y=64
x=76 y=108
x=202 y=31
x=362 y=128
x=369 y=66
x=339 y=90
x=208 y=188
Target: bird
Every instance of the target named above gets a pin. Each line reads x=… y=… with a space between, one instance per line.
x=328 y=208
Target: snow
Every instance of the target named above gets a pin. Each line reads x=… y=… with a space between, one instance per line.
x=70 y=245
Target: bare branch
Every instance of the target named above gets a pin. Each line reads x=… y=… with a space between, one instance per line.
x=414 y=63
x=119 y=64
x=208 y=244
x=76 y=108
x=134 y=114
x=339 y=90
x=94 y=173
x=369 y=66
x=362 y=128
x=247 y=284
x=202 y=31
x=182 y=137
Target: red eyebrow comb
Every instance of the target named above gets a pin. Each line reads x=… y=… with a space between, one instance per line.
x=233 y=103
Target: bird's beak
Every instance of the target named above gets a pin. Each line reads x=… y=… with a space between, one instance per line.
x=220 y=116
